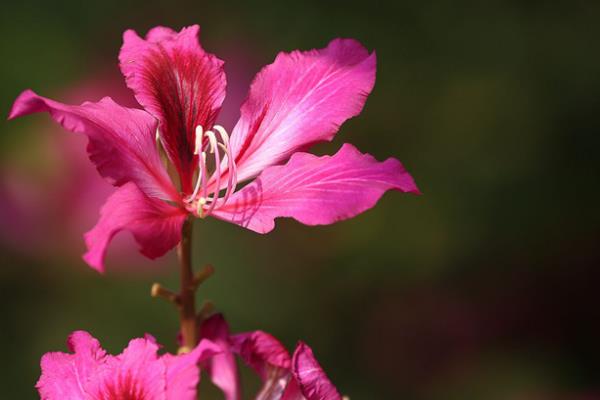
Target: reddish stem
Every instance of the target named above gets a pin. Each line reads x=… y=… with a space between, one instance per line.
x=187 y=298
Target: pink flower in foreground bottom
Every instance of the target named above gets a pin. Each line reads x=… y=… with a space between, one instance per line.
x=299 y=377
x=136 y=374
x=300 y=99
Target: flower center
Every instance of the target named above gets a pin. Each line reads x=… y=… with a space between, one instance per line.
x=212 y=170
x=123 y=387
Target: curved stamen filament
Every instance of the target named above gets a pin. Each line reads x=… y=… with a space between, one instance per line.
x=214 y=149
x=231 y=168
x=208 y=142
x=201 y=160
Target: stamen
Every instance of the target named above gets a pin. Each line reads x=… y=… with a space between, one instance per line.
x=208 y=142
x=199 y=137
x=202 y=167
x=231 y=168
x=215 y=149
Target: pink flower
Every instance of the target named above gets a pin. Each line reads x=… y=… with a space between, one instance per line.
x=300 y=99
x=136 y=374
x=299 y=377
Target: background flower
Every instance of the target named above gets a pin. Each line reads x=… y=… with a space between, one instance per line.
x=50 y=193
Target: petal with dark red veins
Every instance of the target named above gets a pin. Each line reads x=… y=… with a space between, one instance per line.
x=300 y=99
x=316 y=190
x=136 y=374
x=121 y=140
x=309 y=378
x=155 y=224
x=222 y=368
x=177 y=82
x=64 y=376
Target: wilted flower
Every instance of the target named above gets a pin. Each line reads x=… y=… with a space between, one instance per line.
x=136 y=374
x=299 y=377
x=300 y=99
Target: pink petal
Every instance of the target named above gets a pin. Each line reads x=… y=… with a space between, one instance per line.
x=155 y=225
x=137 y=373
x=121 y=140
x=222 y=368
x=300 y=99
x=261 y=351
x=310 y=377
x=316 y=190
x=292 y=391
x=65 y=376
x=269 y=358
x=183 y=373
x=177 y=82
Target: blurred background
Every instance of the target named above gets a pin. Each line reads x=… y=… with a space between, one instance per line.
x=485 y=287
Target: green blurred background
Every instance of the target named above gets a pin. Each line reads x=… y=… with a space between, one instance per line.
x=485 y=287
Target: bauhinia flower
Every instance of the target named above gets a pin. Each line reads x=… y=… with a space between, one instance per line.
x=299 y=377
x=300 y=99
x=136 y=374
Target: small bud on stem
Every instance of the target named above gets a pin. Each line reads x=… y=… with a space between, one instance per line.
x=203 y=275
x=159 y=291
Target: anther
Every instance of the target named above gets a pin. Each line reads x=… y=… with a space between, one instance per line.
x=212 y=140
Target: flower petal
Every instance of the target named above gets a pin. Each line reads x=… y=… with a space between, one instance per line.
x=183 y=373
x=64 y=376
x=292 y=391
x=316 y=190
x=261 y=351
x=155 y=225
x=137 y=373
x=269 y=358
x=300 y=99
x=222 y=368
x=121 y=140
x=309 y=377
x=177 y=82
